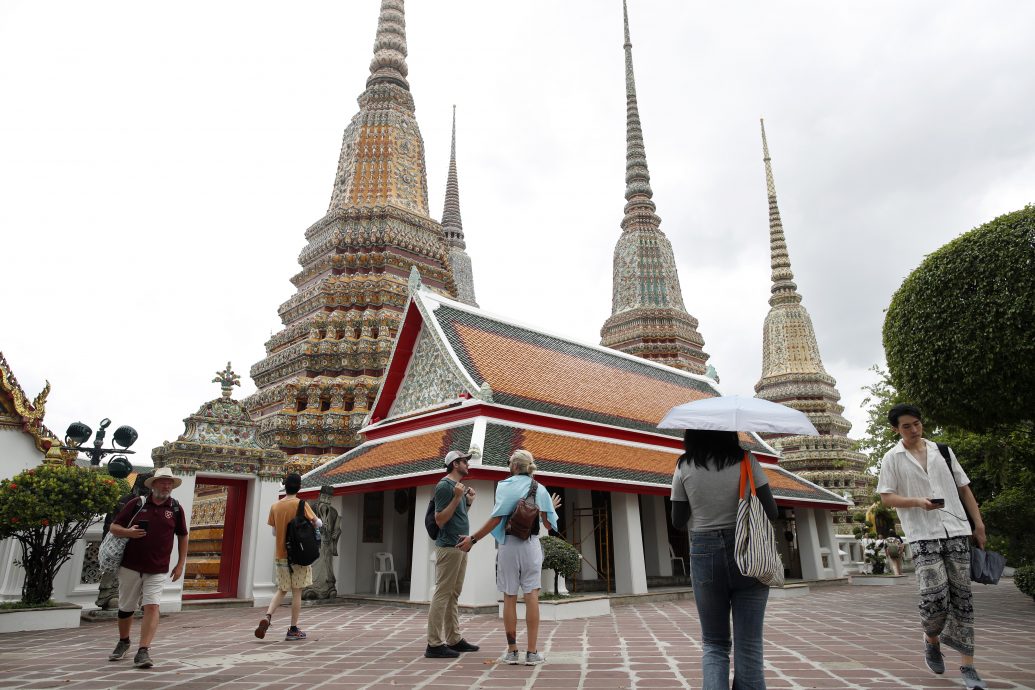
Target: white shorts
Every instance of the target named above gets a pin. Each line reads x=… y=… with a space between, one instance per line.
x=139 y=589
x=519 y=565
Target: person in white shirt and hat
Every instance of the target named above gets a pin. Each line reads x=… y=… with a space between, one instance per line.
x=150 y=525
x=933 y=500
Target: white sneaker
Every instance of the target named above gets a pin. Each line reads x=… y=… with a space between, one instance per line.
x=534 y=658
x=512 y=658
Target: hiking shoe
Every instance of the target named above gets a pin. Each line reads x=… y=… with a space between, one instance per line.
x=512 y=658
x=120 y=651
x=463 y=646
x=293 y=634
x=933 y=657
x=260 y=632
x=534 y=658
x=971 y=679
x=143 y=659
x=440 y=652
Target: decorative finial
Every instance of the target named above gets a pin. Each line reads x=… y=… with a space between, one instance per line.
x=227 y=379
x=784 y=289
x=414 y=283
x=389 y=63
x=485 y=392
x=639 y=210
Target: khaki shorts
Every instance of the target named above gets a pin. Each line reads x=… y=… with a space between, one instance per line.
x=297 y=577
x=139 y=589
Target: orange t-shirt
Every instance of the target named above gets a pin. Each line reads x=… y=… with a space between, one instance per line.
x=281 y=513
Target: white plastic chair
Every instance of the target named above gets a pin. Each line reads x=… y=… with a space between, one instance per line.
x=385 y=566
x=672 y=555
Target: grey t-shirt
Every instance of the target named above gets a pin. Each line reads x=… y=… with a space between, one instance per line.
x=713 y=494
x=458 y=525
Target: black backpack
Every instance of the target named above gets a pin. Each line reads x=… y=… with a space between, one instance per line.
x=303 y=548
x=429 y=520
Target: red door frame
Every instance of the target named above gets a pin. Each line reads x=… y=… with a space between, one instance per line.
x=233 y=536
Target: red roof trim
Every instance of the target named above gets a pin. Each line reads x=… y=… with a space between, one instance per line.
x=411 y=326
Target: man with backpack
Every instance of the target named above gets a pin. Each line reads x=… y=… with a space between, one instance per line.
x=452 y=498
x=294 y=529
x=924 y=482
x=149 y=523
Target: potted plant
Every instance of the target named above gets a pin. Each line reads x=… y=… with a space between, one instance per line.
x=874 y=553
x=48 y=509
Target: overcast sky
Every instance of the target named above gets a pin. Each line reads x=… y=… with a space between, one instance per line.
x=160 y=162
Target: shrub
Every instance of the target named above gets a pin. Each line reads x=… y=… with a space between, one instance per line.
x=560 y=557
x=47 y=509
x=1024 y=578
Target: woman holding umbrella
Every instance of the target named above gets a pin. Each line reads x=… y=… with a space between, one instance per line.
x=706 y=488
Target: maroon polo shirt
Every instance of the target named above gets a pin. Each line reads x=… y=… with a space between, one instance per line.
x=150 y=554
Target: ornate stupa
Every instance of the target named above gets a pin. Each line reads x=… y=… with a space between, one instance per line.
x=648 y=318
x=323 y=369
x=453 y=229
x=793 y=374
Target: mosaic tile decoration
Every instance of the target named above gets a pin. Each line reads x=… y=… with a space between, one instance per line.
x=391 y=458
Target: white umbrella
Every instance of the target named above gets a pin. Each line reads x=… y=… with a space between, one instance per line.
x=738 y=413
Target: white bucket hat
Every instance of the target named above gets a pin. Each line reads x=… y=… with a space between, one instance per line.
x=163 y=473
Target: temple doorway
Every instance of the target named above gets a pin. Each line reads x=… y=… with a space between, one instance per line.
x=787 y=543
x=214 y=549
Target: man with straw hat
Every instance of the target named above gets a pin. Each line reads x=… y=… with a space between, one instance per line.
x=150 y=524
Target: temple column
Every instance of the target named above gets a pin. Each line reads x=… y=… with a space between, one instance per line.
x=480 y=580
x=422 y=569
x=172 y=592
x=257 y=543
x=351 y=513
x=808 y=544
x=655 y=536
x=828 y=540
x=630 y=574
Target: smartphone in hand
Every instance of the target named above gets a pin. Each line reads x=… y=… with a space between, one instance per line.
x=937 y=501
x=142 y=525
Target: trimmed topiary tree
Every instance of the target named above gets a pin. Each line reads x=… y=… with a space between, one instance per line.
x=560 y=557
x=47 y=509
x=959 y=335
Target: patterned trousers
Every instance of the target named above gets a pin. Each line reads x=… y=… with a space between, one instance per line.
x=943 y=577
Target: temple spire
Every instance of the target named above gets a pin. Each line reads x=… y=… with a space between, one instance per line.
x=637 y=178
x=389 y=62
x=648 y=318
x=453 y=231
x=452 y=224
x=784 y=290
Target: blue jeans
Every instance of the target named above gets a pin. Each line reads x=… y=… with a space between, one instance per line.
x=719 y=588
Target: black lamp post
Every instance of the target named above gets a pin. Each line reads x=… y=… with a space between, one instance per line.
x=124 y=437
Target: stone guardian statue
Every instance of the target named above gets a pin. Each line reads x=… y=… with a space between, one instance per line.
x=323 y=586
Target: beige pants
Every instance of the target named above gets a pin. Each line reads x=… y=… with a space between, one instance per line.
x=444 y=614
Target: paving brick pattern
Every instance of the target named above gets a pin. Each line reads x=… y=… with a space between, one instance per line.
x=863 y=638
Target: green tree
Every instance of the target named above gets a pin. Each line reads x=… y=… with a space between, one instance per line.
x=47 y=509
x=959 y=335
x=880 y=436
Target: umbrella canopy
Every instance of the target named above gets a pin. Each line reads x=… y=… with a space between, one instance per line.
x=738 y=413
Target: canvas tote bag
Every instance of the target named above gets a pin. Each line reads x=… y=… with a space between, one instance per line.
x=112 y=548
x=754 y=540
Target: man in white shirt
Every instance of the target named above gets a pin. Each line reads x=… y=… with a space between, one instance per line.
x=933 y=500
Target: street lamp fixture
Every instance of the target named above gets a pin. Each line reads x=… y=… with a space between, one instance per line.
x=125 y=436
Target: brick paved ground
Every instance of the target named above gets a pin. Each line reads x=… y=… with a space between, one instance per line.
x=838 y=637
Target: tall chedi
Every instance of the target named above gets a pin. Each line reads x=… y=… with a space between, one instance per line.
x=322 y=371
x=648 y=318
x=453 y=228
x=793 y=374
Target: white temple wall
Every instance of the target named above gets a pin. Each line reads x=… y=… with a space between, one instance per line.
x=351 y=519
x=655 y=536
x=422 y=569
x=172 y=592
x=808 y=544
x=480 y=580
x=18 y=452
x=255 y=581
x=630 y=573
x=828 y=544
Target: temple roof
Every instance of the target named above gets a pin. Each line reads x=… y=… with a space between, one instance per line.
x=17 y=411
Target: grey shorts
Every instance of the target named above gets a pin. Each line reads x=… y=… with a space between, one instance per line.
x=519 y=565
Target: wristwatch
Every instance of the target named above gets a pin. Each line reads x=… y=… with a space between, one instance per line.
x=474 y=540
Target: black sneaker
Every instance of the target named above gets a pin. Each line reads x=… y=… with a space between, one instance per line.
x=933 y=657
x=463 y=646
x=120 y=651
x=440 y=652
x=143 y=659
